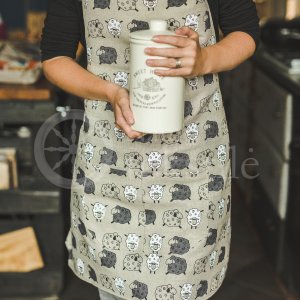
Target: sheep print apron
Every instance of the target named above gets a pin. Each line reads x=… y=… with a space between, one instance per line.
x=150 y=217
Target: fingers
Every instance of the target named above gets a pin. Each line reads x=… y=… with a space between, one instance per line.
x=170 y=62
x=187 y=31
x=185 y=72
x=167 y=52
x=174 y=40
x=187 y=49
x=123 y=117
x=185 y=35
x=126 y=111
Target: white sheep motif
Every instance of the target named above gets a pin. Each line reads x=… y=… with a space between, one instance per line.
x=221 y=153
x=212 y=258
x=194 y=217
x=192 y=132
x=132 y=241
x=99 y=211
x=192 y=21
x=153 y=262
x=216 y=100
x=154 y=159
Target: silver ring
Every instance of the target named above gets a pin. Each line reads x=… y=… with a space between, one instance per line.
x=178 y=63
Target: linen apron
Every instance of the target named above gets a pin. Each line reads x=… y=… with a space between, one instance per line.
x=150 y=216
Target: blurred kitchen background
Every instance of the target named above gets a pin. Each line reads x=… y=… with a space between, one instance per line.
x=262 y=102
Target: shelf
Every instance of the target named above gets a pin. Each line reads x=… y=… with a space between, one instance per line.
x=49 y=282
x=34 y=195
x=25 y=112
x=18 y=201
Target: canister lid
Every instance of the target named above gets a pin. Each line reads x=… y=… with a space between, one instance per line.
x=156 y=27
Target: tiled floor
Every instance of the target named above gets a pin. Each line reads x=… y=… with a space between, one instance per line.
x=250 y=275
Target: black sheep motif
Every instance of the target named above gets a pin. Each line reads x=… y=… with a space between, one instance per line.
x=216 y=183
x=176 y=3
x=107 y=55
x=101 y=4
x=118 y=172
x=208 y=79
x=121 y=215
x=74 y=243
x=136 y=25
x=108 y=258
x=211 y=129
x=86 y=124
x=212 y=236
x=202 y=289
x=139 y=290
x=89 y=186
x=188 y=108
x=147 y=138
x=80 y=176
x=146 y=217
x=179 y=161
x=179 y=245
x=222 y=254
x=176 y=265
x=81 y=228
x=92 y=273
x=180 y=192
x=108 y=106
x=108 y=156
x=70 y=254
x=206 y=20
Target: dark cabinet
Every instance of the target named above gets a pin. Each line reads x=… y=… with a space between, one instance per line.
x=264 y=125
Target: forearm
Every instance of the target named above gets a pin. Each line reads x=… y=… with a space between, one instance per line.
x=225 y=55
x=67 y=74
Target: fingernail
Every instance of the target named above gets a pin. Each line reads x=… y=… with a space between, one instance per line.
x=155 y=38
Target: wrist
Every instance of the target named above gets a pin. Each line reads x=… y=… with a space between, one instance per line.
x=206 y=62
x=111 y=90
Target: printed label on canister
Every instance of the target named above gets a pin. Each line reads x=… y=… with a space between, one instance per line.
x=148 y=89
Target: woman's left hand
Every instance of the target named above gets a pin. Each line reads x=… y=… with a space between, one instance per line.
x=188 y=51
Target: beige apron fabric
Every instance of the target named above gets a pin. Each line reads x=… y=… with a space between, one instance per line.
x=151 y=216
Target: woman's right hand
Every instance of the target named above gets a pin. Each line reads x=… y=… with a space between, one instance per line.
x=119 y=98
x=67 y=74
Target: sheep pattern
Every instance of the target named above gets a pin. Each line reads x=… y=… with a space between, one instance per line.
x=150 y=216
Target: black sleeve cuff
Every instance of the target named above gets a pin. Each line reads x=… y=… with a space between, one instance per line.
x=239 y=15
x=61 y=31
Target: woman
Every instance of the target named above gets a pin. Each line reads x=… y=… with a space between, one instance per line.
x=153 y=220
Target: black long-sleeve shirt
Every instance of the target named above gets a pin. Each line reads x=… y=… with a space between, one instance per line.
x=64 y=25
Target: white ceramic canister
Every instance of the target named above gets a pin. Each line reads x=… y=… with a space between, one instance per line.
x=157 y=102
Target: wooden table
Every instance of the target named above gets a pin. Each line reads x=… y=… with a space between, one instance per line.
x=41 y=90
